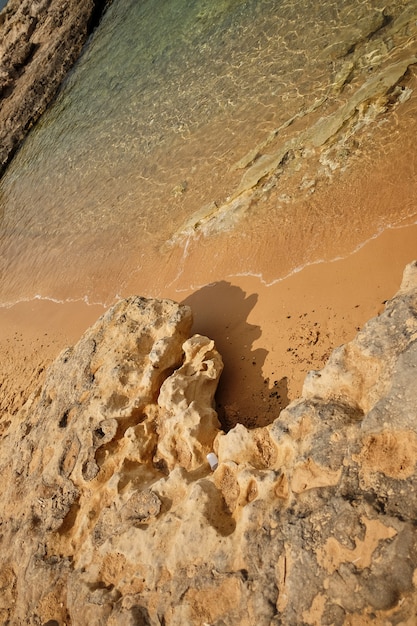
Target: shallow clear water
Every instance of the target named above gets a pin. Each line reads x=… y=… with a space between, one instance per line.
x=150 y=130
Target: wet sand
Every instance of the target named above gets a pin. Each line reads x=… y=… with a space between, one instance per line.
x=269 y=337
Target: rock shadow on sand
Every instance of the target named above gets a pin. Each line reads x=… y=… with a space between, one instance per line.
x=244 y=396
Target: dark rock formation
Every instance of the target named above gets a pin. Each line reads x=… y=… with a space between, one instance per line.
x=39 y=42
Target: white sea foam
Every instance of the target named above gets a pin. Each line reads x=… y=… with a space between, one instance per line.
x=86 y=190
x=269 y=283
x=85 y=299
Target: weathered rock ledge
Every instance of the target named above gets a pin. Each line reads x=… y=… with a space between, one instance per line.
x=39 y=42
x=110 y=513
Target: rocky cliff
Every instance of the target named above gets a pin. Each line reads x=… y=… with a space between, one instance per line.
x=39 y=42
x=111 y=514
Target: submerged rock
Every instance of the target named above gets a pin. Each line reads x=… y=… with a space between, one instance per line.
x=39 y=43
x=111 y=513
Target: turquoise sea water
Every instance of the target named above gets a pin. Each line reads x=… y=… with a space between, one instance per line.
x=173 y=119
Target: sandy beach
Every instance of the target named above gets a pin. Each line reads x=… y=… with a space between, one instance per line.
x=269 y=337
x=279 y=333
x=270 y=330
x=255 y=161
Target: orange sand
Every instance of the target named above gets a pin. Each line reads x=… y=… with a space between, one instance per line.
x=269 y=337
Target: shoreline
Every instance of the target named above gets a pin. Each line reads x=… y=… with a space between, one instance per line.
x=124 y=501
x=269 y=336
x=295 y=324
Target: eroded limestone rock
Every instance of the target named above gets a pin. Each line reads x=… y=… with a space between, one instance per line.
x=111 y=514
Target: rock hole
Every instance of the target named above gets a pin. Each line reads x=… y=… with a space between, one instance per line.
x=63 y=422
x=100 y=585
x=35 y=521
x=244 y=574
x=140 y=615
x=4 y=427
x=107 y=436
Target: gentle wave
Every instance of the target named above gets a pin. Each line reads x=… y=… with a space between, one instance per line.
x=300 y=268
x=155 y=123
x=37 y=297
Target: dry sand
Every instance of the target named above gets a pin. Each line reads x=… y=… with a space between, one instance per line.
x=269 y=337
x=32 y=335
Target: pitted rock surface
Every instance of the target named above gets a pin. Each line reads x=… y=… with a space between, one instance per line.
x=110 y=514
